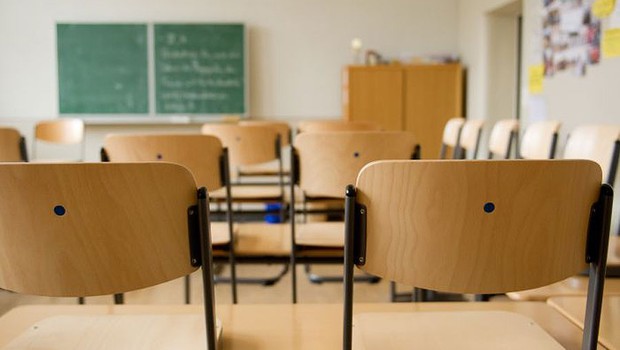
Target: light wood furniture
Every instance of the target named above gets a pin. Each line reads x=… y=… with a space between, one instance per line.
x=539 y=140
x=470 y=137
x=416 y=98
x=12 y=146
x=62 y=131
x=451 y=137
x=330 y=125
x=503 y=217
x=577 y=285
x=249 y=145
x=275 y=327
x=574 y=309
x=203 y=155
x=323 y=164
x=97 y=229
x=600 y=143
x=503 y=134
x=272 y=168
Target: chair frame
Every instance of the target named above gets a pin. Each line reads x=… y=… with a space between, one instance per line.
x=613 y=167
x=596 y=257
x=294 y=259
x=280 y=183
x=230 y=246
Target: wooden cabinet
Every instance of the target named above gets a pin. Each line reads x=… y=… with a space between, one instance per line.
x=417 y=98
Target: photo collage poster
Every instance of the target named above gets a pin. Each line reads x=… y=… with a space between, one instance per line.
x=571 y=36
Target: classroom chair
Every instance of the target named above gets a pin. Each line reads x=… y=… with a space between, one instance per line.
x=12 y=146
x=270 y=169
x=250 y=145
x=322 y=125
x=207 y=160
x=599 y=143
x=452 y=137
x=509 y=225
x=470 y=138
x=322 y=164
x=503 y=134
x=96 y=229
x=60 y=131
x=539 y=140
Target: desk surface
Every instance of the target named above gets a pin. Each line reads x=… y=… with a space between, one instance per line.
x=301 y=326
x=574 y=308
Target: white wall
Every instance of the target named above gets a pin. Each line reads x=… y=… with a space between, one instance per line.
x=569 y=98
x=297 y=47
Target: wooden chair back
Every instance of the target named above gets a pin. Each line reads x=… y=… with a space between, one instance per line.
x=329 y=161
x=201 y=154
x=336 y=125
x=93 y=229
x=451 y=137
x=502 y=135
x=247 y=144
x=452 y=131
x=600 y=143
x=477 y=226
x=283 y=129
x=12 y=146
x=61 y=130
x=470 y=137
x=539 y=140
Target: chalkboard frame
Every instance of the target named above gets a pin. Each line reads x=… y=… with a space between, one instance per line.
x=151 y=116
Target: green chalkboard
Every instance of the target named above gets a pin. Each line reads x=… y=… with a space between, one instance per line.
x=102 y=68
x=200 y=68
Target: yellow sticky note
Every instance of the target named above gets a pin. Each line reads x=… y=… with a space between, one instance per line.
x=611 y=43
x=536 y=74
x=603 y=8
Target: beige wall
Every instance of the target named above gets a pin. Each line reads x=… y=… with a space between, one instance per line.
x=572 y=99
x=297 y=48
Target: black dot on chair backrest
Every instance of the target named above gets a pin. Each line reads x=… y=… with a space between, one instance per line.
x=489 y=207
x=159 y=156
x=356 y=154
x=59 y=210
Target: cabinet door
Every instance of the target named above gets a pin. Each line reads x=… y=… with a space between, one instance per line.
x=376 y=94
x=433 y=94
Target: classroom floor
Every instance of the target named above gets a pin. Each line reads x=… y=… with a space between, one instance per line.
x=173 y=292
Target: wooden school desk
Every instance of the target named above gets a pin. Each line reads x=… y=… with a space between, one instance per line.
x=574 y=308
x=300 y=326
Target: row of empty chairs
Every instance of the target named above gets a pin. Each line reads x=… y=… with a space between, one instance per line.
x=539 y=140
x=60 y=131
x=600 y=143
x=395 y=228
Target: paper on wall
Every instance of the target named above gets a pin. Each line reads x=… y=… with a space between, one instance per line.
x=536 y=74
x=611 y=43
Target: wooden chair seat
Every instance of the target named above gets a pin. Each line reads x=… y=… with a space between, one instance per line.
x=249 y=193
x=265 y=169
x=449 y=330
x=577 y=285
x=320 y=234
x=261 y=239
x=573 y=286
x=219 y=233
x=116 y=332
